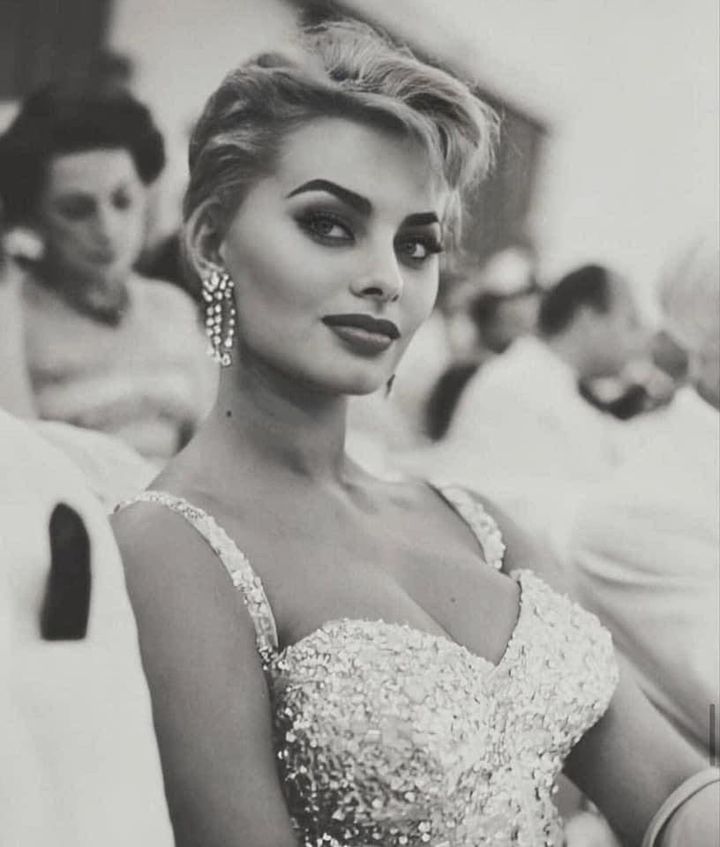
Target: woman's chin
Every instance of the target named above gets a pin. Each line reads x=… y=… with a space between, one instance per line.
x=351 y=386
x=362 y=388
x=329 y=381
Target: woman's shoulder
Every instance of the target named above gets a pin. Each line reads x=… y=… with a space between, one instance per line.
x=171 y=511
x=143 y=529
x=163 y=552
x=507 y=543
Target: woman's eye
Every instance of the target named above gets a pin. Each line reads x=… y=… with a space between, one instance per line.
x=76 y=210
x=418 y=248
x=326 y=227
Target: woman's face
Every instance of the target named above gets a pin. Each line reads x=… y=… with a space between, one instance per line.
x=335 y=256
x=92 y=215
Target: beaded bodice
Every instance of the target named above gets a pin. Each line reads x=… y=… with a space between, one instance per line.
x=388 y=735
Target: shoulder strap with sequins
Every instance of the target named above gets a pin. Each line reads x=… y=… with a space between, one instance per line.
x=235 y=561
x=483 y=525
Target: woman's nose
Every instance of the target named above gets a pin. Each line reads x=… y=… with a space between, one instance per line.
x=106 y=224
x=382 y=280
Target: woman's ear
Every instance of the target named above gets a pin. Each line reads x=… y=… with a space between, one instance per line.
x=203 y=240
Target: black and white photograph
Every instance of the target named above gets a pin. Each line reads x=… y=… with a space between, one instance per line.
x=359 y=423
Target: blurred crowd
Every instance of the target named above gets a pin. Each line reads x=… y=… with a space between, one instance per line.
x=555 y=397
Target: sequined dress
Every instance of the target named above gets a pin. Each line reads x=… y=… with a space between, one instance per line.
x=387 y=735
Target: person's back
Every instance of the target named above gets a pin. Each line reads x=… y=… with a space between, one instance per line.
x=522 y=416
x=81 y=761
x=646 y=559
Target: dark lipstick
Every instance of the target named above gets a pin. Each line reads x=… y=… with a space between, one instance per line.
x=363 y=333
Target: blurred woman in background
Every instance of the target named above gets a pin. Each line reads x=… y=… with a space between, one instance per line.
x=105 y=348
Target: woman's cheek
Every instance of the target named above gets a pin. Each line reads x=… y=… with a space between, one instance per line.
x=425 y=301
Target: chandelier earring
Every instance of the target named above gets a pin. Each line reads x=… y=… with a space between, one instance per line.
x=217 y=292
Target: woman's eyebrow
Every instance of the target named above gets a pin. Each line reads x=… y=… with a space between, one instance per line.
x=350 y=198
x=358 y=202
x=421 y=219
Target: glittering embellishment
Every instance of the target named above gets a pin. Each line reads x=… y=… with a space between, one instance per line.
x=388 y=735
x=480 y=522
x=236 y=563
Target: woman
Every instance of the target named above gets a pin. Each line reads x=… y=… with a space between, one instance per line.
x=375 y=679
x=106 y=349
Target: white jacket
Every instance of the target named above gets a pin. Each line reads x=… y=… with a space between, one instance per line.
x=80 y=760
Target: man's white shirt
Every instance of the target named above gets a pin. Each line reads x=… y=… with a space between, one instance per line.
x=646 y=554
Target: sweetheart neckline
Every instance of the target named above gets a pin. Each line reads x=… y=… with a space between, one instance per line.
x=494 y=668
x=178 y=503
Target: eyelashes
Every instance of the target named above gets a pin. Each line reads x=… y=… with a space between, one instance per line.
x=427 y=245
x=331 y=229
x=326 y=227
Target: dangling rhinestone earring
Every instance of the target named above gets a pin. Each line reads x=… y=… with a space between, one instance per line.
x=217 y=292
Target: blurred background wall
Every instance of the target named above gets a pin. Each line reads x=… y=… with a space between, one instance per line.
x=628 y=92
x=611 y=106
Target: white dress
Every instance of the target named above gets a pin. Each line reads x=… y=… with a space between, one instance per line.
x=387 y=735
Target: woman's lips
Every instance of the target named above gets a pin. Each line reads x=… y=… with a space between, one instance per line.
x=362 y=333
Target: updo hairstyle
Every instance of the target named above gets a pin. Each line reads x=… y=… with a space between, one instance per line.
x=346 y=70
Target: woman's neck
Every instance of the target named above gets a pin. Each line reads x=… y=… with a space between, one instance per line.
x=266 y=419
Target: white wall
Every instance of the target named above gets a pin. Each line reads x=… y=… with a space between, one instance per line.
x=629 y=89
x=181 y=50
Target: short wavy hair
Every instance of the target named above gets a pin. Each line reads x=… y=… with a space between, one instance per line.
x=52 y=122
x=344 y=69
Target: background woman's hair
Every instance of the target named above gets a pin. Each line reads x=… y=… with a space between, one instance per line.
x=345 y=69
x=52 y=123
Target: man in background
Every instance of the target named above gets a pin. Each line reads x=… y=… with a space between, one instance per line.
x=646 y=550
x=523 y=434
x=490 y=311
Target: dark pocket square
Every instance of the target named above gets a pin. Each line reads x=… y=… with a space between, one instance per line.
x=66 y=606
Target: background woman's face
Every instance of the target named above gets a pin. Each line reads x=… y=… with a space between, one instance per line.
x=92 y=215
x=347 y=229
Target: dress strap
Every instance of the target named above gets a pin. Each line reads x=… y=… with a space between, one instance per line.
x=483 y=525
x=235 y=561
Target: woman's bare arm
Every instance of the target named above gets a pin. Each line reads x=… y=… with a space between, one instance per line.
x=631 y=761
x=210 y=701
